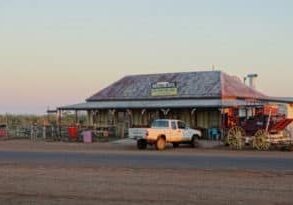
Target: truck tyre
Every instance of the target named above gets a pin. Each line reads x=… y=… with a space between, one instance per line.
x=175 y=144
x=141 y=144
x=194 y=141
x=160 y=143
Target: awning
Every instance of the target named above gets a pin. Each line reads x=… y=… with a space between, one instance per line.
x=153 y=104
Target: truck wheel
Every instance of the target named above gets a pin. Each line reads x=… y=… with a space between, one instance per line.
x=175 y=144
x=141 y=144
x=194 y=142
x=160 y=143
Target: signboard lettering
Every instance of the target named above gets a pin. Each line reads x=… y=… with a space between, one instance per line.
x=164 y=89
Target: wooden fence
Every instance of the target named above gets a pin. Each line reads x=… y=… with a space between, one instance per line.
x=53 y=133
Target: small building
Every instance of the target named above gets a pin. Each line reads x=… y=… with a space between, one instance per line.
x=206 y=100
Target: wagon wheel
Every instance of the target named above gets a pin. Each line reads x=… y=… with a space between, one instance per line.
x=235 y=137
x=261 y=140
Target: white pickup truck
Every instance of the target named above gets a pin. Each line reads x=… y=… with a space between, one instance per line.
x=165 y=131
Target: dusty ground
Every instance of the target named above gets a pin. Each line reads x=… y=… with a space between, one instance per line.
x=129 y=146
x=31 y=184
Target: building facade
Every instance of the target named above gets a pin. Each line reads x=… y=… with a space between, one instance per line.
x=205 y=100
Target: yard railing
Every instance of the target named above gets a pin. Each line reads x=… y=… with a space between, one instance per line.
x=55 y=133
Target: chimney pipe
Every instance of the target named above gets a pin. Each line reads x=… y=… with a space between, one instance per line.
x=252 y=80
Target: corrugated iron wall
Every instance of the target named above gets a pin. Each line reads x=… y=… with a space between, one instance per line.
x=200 y=118
x=123 y=119
x=208 y=118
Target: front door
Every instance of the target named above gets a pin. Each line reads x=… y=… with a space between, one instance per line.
x=184 y=132
x=176 y=132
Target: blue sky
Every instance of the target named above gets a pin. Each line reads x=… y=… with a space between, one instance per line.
x=60 y=52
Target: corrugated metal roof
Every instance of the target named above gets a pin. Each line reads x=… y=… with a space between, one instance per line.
x=282 y=99
x=232 y=86
x=190 y=84
x=208 y=84
x=145 y=104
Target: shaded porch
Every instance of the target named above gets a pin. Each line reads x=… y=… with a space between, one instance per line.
x=113 y=118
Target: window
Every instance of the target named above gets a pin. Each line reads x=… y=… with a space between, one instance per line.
x=160 y=123
x=181 y=125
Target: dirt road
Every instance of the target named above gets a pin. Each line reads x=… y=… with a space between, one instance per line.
x=35 y=182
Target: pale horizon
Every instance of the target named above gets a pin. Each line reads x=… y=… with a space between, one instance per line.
x=56 y=53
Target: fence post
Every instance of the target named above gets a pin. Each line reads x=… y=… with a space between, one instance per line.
x=44 y=132
x=52 y=132
x=17 y=131
x=32 y=132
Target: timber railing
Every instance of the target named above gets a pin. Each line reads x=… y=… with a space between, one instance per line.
x=55 y=132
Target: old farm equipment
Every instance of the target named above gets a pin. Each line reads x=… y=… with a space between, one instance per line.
x=260 y=131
